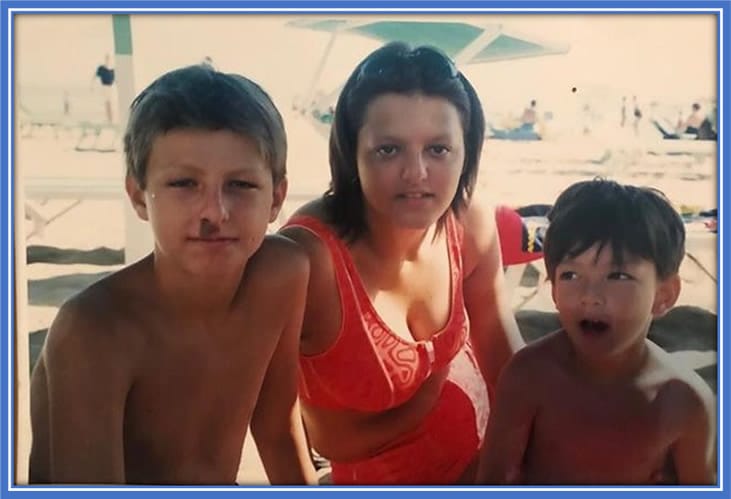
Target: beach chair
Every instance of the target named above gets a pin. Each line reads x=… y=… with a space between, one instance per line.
x=97 y=137
x=521 y=244
x=38 y=190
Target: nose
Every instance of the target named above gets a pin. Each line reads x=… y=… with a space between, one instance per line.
x=215 y=207
x=592 y=293
x=415 y=168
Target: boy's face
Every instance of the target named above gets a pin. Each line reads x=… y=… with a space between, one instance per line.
x=606 y=309
x=209 y=199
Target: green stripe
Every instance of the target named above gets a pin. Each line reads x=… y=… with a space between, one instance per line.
x=122 y=34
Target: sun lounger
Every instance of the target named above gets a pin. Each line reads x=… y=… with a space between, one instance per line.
x=41 y=189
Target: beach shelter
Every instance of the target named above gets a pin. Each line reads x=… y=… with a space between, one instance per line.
x=465 y=42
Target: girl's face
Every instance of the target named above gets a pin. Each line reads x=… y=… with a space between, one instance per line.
x=410 y=157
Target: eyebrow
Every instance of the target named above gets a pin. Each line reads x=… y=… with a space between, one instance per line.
x=381 y=137
x=192 y=167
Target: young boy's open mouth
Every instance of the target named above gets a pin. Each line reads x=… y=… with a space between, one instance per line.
x=591 y=326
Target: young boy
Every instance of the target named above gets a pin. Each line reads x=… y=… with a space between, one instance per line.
x=153 y=374
x=597 y=403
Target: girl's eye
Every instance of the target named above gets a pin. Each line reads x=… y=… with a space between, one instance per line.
x=386 y=150
x=620 y=276
x=183 y=182
x=439 y=150
x=567 y=275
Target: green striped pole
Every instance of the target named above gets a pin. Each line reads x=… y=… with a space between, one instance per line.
x=123 y=61
x=138 y=237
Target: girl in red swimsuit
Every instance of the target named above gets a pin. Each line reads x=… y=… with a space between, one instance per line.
x=406 y=328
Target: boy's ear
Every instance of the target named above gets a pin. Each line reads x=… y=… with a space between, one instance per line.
x=666 y=295
x=137 y=196
x=278 y=196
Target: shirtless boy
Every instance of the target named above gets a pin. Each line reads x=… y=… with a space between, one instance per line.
x=153 y=374
x=597 y=403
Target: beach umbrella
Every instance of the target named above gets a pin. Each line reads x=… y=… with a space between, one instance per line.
x=465 y=42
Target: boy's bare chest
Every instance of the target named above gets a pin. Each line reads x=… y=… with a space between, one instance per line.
x=196 y=390
x=598 y=438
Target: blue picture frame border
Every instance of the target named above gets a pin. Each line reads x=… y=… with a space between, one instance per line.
x=8 y=9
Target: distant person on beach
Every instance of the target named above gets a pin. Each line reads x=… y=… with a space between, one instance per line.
x=693 y=122
x=623 y=112
x=697 y=126
x=529 y=117
x=105 y=74
x=152 y=375
x=597 y=403
x=407 y=325
x=637 y=113
x=66 y=104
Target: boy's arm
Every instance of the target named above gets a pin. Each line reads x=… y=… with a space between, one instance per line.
x=86 y=381
x=493 y=330
x=694 y=452
x=510 y=424
x=39 y=470
x=276 y=424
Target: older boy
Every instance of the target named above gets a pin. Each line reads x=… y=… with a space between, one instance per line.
x=153 y=374
x=596 y=402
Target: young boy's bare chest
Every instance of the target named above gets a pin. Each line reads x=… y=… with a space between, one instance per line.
x=607 y=436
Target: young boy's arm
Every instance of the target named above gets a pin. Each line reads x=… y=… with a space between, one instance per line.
x=78 y=396
x=510 y=424
x=276 y=424
x=694 y=452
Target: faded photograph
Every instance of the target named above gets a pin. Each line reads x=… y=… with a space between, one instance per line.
x=565 y=100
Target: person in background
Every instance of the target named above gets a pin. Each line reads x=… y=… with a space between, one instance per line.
x=691 y=125
x=637 y=114
x=105 y=74
x=529 y=117
x=623 y=112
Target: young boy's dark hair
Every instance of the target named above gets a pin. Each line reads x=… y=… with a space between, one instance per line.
x=637 y=221
x=200 y=97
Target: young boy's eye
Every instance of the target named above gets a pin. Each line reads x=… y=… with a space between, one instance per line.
x=386 y=150
x=567 y=275
x=182 y=182
x=619 y=276
x=242 y=184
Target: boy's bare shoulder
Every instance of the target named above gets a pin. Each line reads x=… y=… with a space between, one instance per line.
x=278 y=261
x=541 y=357
x=674 y=382
x=96 y=316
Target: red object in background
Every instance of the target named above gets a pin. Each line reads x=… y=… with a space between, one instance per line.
x=518 y=243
